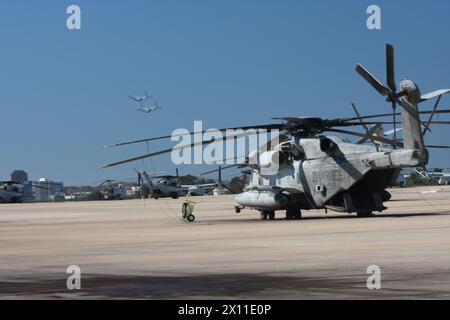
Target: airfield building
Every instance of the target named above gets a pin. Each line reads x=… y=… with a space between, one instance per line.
x=46 y=190
x=19 y=176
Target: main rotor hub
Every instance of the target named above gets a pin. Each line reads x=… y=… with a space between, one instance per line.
x=305 y=125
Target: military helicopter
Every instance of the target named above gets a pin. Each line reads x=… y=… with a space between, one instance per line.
x=150 y=109
x=166 y=185
x=113 y=189
x=221 y=188
x=13 y=191
x=318 y=171
x=140 y=99
x=10 y=193
x=169 y=186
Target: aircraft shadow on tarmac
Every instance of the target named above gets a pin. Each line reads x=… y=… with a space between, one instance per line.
x=210 y=286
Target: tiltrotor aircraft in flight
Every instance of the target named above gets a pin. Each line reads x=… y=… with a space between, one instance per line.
x=316 y=170
x=140 y=99
x=150 y=109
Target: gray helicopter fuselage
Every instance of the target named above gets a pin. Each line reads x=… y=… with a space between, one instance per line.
x=139 y=99
x=315 y=171
x=327 y=178
x=10 y=193
x=167 y=187
x=147 y=110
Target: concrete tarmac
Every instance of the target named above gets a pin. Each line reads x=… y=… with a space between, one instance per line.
x=141 y=249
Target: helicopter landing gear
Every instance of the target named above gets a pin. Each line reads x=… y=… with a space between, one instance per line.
x=267 y=214
x=238 y=209
x=364 y=214
x=293 y=214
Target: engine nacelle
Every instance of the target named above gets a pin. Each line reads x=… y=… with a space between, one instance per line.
x=271 y=158
x=327 y=145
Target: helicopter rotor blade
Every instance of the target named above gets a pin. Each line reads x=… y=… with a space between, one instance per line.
x=390 y=70
x=381 y=115
x=372 y=131
x=391 y=122
x=440 y=122
x=434 y=94
x=200 y=143
x=362 y=135
x=362 y=123
x=257 y=127
x=437 y=147
x=390 y=80
x=227 y=187
x=223 y=168
x=374 y=82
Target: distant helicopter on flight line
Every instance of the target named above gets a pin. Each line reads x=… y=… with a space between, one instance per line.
x=169 y=186
x=318 y=171
x=13 y=191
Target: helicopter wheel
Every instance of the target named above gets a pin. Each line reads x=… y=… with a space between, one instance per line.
x=267 y=214
x=364 y=214
x=191 y=218
x=264 y=215
x=293 y=214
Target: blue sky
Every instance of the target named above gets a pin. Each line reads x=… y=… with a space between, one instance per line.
x=65 y=93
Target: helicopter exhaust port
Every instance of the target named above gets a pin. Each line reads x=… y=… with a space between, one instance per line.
x=327 y=146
